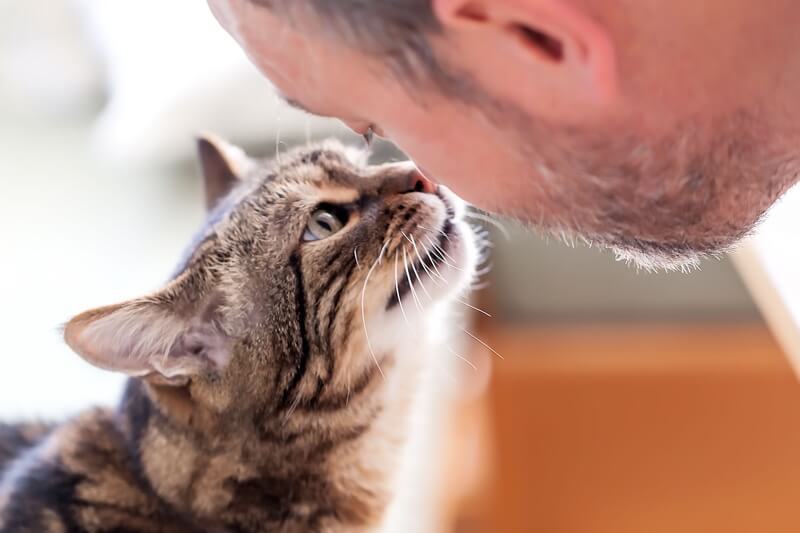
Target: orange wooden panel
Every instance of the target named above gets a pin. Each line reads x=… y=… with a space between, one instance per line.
x=643 y=430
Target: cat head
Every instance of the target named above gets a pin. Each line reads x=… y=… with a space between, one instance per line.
x=312 y=274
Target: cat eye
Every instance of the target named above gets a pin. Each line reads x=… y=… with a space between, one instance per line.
x=327 y=220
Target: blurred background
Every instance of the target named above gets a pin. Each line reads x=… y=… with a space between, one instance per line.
x=624 y=402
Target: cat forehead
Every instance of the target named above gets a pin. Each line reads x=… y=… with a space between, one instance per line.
x=333 y=164
x=330 y=172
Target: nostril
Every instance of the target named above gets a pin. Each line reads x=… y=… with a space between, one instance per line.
x=419 y=183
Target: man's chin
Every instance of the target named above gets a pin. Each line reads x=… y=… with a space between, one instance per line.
x=665 y=238
x=655 y=261
x=654 y=256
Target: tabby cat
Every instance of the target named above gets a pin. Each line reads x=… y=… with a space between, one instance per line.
x=272 y=379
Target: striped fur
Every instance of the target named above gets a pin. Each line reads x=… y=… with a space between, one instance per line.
x=271 y=380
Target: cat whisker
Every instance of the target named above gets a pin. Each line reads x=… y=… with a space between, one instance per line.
x=422 y=261
x=440 y=232
x=444 y=252
x=439 y=253
x=414 y=267
x=292 y=408
x=470 y=363
x=478 y=309
x=410 y=283
x=435 y=248
x=421 y=285
x=433 y=264
x=483 y=344
x=489 y=220
x=363 y=312
x=430 y=273
x=355 y=254
x=438 y=273
x=397 y=290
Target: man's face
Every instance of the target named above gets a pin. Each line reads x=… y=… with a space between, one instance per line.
x=662 y=130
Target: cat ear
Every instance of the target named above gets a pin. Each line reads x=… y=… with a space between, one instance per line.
x=223 y=165
x=149 y=338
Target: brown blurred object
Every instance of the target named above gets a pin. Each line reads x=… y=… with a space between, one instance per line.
x=630 y=429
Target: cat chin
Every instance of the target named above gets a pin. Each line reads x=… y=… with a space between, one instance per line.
x=419 y=303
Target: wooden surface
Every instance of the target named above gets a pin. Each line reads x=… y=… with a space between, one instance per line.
x=637 y=430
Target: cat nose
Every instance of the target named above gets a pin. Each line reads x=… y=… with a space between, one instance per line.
x=418 y=182
x=404 y=178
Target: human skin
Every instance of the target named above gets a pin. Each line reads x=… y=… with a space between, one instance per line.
x=663 y=130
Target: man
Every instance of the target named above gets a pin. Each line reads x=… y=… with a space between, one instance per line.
x=660 y=128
